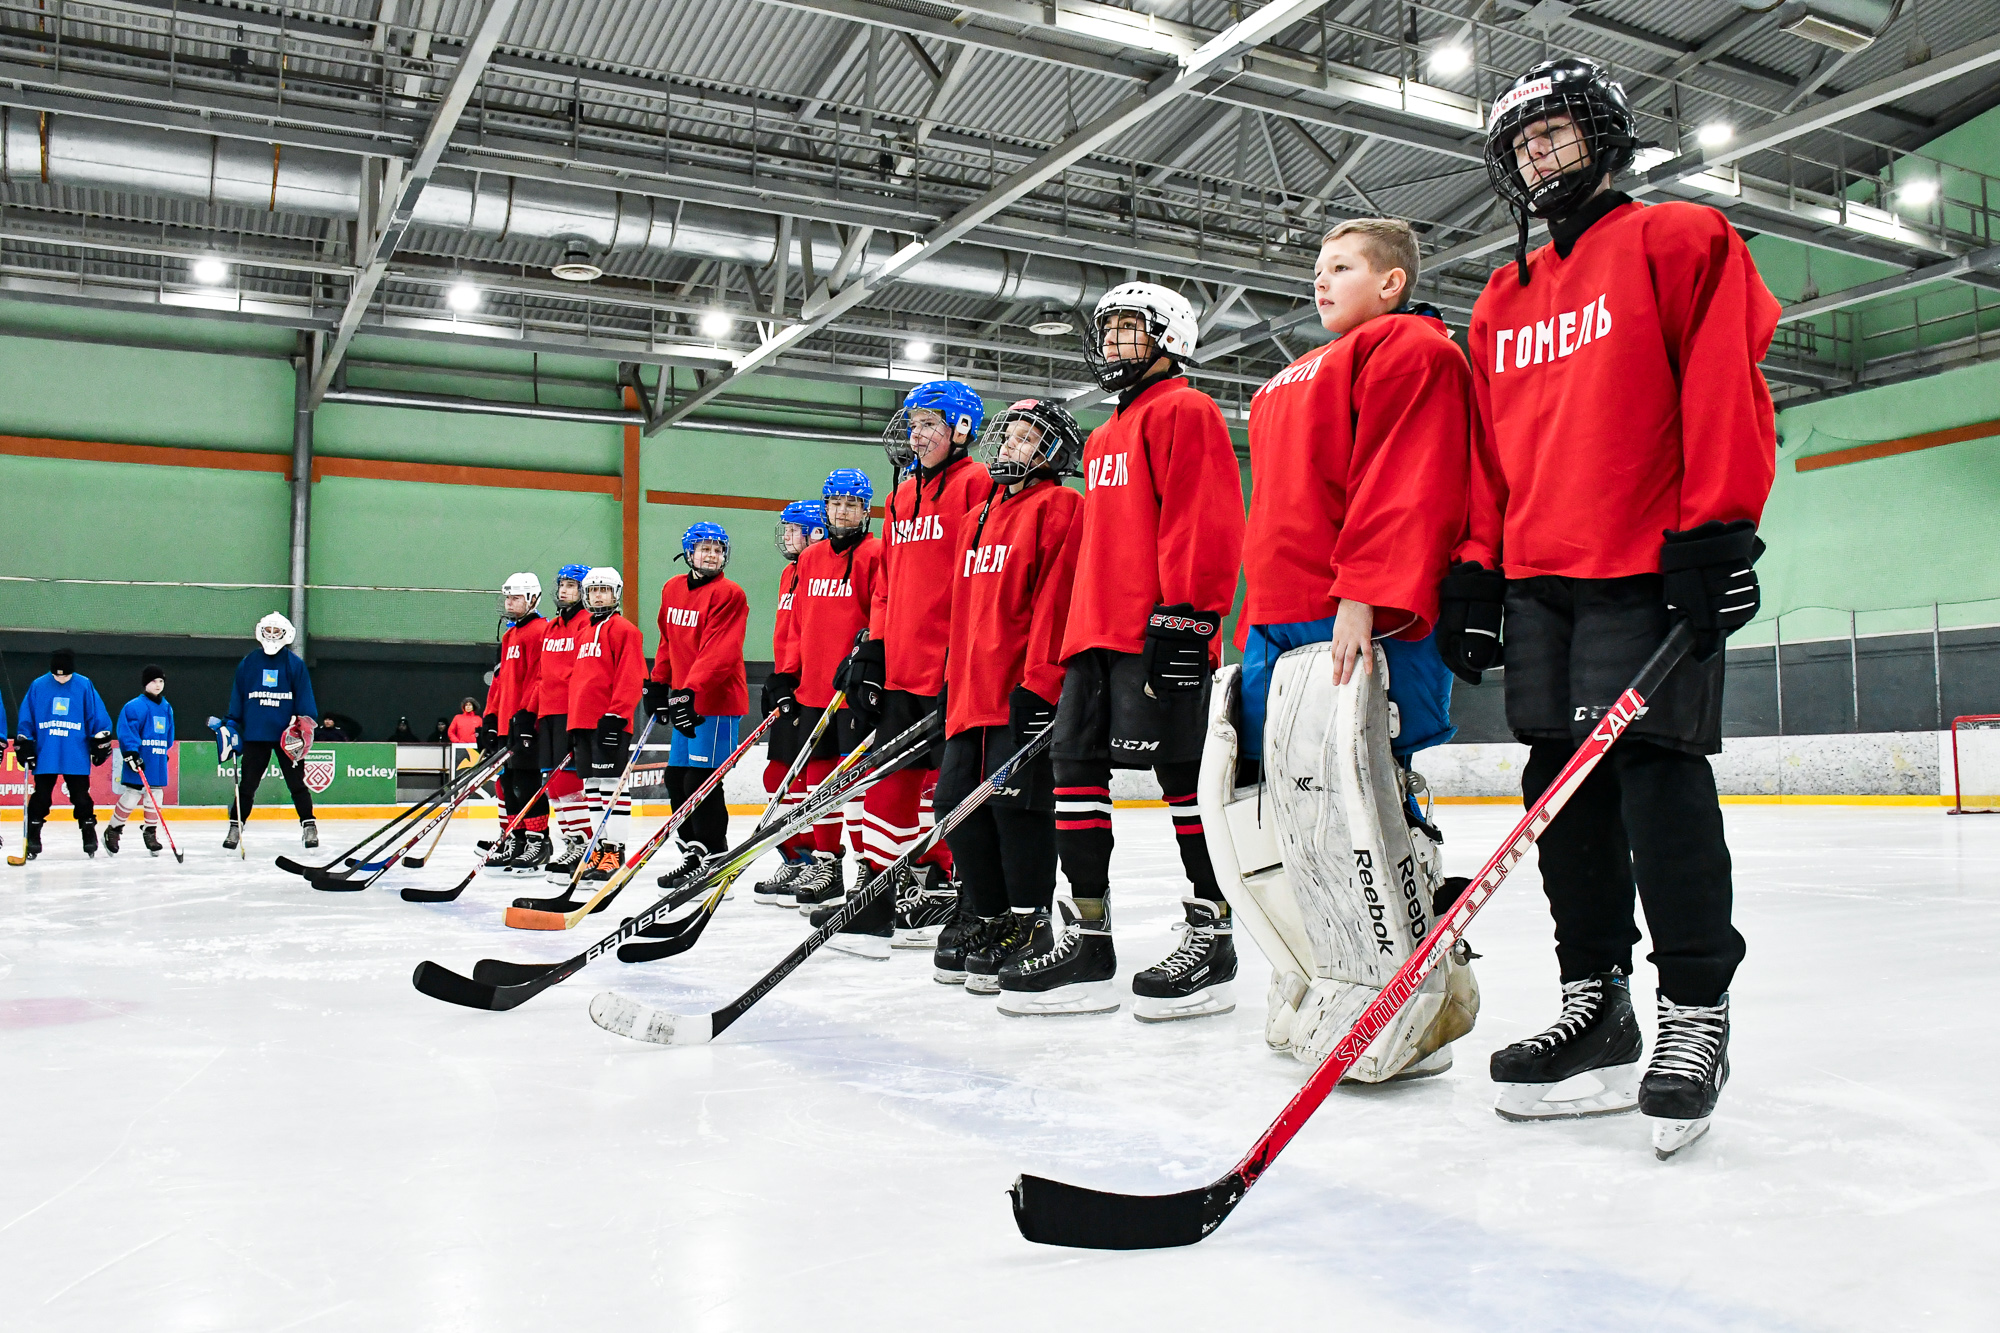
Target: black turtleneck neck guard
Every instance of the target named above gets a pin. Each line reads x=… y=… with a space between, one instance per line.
x=697 y=577
x=1131 y=395
x=1564 y=233
x=845 y=542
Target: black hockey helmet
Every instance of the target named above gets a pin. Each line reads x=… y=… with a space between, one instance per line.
x=1582 y=90
x=1061 y=444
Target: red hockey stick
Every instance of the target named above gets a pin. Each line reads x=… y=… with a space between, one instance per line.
x=1052 y=1213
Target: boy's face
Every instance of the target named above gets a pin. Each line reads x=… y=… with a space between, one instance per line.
x=708 y=556
x=515 y=604
x=569 y=591
x=846 y=511
x=1124 y=337
x=601 y=597
x=1347 y=287
x=1023 y=443
x=930 y=436
x=1549 y=147
x=157 y=686
x=795 y=538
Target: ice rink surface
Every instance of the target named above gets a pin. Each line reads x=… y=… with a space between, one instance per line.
x=226 y=1108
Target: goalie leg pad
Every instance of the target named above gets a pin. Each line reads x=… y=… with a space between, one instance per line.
x=1362 y=879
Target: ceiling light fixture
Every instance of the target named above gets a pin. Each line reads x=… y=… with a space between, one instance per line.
x=1714 y=135
x=210 y=270
x=1451 y=59
x=576 y=265
x=462 y=297
x=1919 y=193
x=716 y=324
x=1051 y=323
x=916 y=349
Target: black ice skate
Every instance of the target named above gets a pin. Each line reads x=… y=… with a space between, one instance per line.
x=234 y=838
x=563 y=868
x=112 y=837
x=502 y=853
x=532 y=855
x=999 y=942
x=1587 y=1064
x=309 y=833
x=777 y=890
x=88 y=828
x=684 y=863
x=925 y=901
x=1194 y=980
x=151 y=836
x=1690 y=1065
x=31 y=839
x=824 y=881
x=1072 y=977
x=954 y=939
x=869 y=934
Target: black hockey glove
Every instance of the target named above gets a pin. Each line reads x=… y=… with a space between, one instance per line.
x=521 y=732
x=488 y=739
x=657 y=692
x=100 y=748
x=862 y=675
x=1027 y=713
x=1176 y=655
x=610 y=731
x=136 y=762
x=780 y=692
x=1471 y=601
x=24 y=752
x=1709 y=580
x=680 y=712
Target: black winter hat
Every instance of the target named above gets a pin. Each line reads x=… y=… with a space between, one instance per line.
x=150 y=673
x=63 y=661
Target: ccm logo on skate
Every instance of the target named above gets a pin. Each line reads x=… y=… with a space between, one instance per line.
x=1110 y=470
x=1307 y=784
x=1550 y=339
x=686 y=619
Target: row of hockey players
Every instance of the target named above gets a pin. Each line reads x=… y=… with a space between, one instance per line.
x=1592 y=472
x=63 y=730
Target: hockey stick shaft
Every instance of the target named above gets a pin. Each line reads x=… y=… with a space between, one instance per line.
x=1053 y=1213
x=611 y=807
x=415 y=895
x=153 y=801
x=27 y=785
x=379 y=834
x=412 y=832
x=799 y=760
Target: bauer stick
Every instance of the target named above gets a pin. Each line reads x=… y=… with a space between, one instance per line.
x=456 y=794
x=528 y=918
x=628 y=1018
x=1052 y=1213
x=502 y=985
x=160 y=815
x=485 y=858
x=799 y=759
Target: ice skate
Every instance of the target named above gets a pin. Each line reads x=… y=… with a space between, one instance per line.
x=88 y=828
x=309 y=834
x=112 y=837
x=529 y=856
x=870 y=933
x=31 y=839
x=1690 y=1066
x=604 y=863
x=151 y=837
x=777 y=890
x=1074 y=976
x=683 y=862
x=954 y=939
x=234 y=838
x=923 y=906
x=1004 y=939
x=823 y=881
x=1194 y=980
x=1587 y=1064
x=562 y=870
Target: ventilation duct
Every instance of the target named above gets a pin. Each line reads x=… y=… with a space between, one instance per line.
x=1844 y=25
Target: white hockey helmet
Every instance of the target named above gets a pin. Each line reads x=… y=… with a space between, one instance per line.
x=274 y=632
x=1170 y=320
x=523 y=584
x=604 y=576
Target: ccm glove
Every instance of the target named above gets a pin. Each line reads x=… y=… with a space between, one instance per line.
x=1176 y=653
x=1027 y=713
x=297 y=737
x=100 y=748
x=488 y=739
x=24 y=752
x=780 y=693
x=521 y=732
x=1470 y=602
x=657 y=693
x=1710 y=582
x=680 y=712
x=862 y=675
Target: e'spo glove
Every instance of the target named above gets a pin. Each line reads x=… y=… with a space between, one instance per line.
x=1176 y=652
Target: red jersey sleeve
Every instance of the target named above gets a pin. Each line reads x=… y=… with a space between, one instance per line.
x=663 y=666
x=785 y=628
x=496 y=689
x=1055 y=558
x=1201 y=508
x=1486 y=483
x=627 y=664
x=1717 y=317
x=1406 y=482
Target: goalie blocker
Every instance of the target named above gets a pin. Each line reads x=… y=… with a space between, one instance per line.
x=1326 y=866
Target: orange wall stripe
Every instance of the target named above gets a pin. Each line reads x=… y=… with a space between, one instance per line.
x=1909 y=444
x=90 y=451
x=698 y=500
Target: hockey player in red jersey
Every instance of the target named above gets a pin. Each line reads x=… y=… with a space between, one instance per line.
x=565 y=789
x=1627 y=449
x=1010 y=590
x=800 y=524
x=512 y=701
x=836 y=589
x=697 y=685
x=1158 y=545
x=896 y=677
x=604 y=689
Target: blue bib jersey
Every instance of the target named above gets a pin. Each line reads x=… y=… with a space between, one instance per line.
x=271 y=689
x=61 y=719
x=1419 y=685
x=146 y=727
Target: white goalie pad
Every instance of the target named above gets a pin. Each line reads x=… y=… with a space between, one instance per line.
x=1359 y=877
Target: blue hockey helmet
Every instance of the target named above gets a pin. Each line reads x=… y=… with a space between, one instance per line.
x=852 y=482
x=809 y=517
x=576 y=575
x=956 y=405
x=698 y=533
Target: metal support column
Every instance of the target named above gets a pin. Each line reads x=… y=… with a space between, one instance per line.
x=302 y=447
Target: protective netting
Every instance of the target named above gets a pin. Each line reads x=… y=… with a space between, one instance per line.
x=338 y=611
x=1975 y=753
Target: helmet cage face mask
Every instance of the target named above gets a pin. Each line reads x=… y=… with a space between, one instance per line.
x=1139 y=347
x=834 y=529
x=520 y=585
x=1059 y=446
x=1601 y=143
x=913 y=430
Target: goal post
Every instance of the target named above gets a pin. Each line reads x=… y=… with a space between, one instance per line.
x=1975 y=764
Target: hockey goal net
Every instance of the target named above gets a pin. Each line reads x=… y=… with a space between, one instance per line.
x=1975 y=764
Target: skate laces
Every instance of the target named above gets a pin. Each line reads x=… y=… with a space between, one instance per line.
x=1192 y=948
x=1690 y=1036
x=1581 y=1001
x=1066 y=943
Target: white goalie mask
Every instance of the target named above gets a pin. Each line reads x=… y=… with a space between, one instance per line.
x=274 y=633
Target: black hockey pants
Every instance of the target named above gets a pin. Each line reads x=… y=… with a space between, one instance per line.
x=257 y=757
x=79 y=797
x=1646 y=818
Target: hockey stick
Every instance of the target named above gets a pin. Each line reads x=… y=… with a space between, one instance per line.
x=799 y=759
x=528 y=918
x=628 y=1018
x=27 y=785
x=1052 y=1213
x=411 y=831
x=381 y=833
x=153 y=801
x=611 y=806
x=518 y=984
x=485 y=859
x=417 y=862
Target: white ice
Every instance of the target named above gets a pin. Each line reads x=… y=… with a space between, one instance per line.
x=225 y=1107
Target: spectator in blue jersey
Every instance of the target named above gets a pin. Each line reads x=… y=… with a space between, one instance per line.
x=63 y=732
x=145 y=740
x=272 y=710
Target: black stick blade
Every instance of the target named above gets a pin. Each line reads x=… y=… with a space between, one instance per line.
x=287 y=864
x=441 y=983
x=1052 y=1213
x=649 y=951
x=338 y=883
x=498 y=972
x=413 y=863
x=436 y=895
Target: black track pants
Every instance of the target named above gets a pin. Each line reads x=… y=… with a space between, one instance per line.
x=708 y=826
x=79 y=797
x=1083 y=825
x=257 y=757
x=1647 y=818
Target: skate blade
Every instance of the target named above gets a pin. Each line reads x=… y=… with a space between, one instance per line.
x=1609 y=1091
x=807 y=909
x=775 y=899
x=1085 y=997
x=977 y=983
x=872 y=947
x=1671 y=1136
x=944 y=976
x=923 y=937
x=1204 y=1003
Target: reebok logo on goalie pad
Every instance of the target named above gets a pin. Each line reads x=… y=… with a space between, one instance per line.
x=1364 y=869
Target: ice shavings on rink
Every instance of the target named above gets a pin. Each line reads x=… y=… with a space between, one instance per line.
x=228 y=1108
